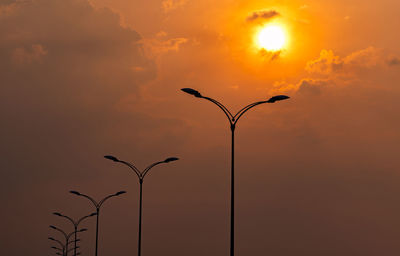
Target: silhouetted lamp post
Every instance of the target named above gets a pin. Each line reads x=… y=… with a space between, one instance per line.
x=59 y=242
x=233 y=119
x=97 y=205
x=141 y=176
x=75 y=223
x=66 y=236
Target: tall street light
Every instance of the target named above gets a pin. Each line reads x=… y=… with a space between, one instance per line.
x=140 y=175
x=233 y=119
x=97 y=205
x=76 y=224
x=66 y=236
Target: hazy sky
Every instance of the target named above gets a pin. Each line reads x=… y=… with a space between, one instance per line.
x=316 y=175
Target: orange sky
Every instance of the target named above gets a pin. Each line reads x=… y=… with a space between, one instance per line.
x=316 y=175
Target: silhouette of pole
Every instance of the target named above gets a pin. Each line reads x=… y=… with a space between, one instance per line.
x=141 y=176
x=76 y=224
x=97 y=205
x=233 y=119
x=59 y=242
x=66 y=236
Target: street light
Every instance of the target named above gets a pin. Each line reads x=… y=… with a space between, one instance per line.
x=97 y=205
x=66 y=236
x=59 y=242
x=233 y=119
x=140 y=175
x=75 y=223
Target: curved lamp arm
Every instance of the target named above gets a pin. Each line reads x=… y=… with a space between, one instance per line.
x=107 y=197
x=56 y=248
x=113 y=158
x=64 y=216
x=245 y=109
x=149 y=167
x=132 y=167
x=222 y=107
x=59 y=230
x=77 y=240
x=57 y=241
x=85 y=217
x=78 y=231
x=91 y=199
x=169 y=159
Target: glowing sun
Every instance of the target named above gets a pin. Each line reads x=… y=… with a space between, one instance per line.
x=271 y=38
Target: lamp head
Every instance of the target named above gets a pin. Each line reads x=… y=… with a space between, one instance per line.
x=277 y=98
x=82 y=230
x=57 y=213
x=120 y=193
x=170 y=159
x=75 y=192
x=112 y=158
x=53 y=227
x=192 y=92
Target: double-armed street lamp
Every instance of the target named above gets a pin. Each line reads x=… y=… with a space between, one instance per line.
x=76 y=224
x=233 y=119
x=97 y=205
x=140 y=175
x=67 y=237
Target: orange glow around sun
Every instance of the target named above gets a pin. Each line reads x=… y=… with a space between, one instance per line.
x=271 y=37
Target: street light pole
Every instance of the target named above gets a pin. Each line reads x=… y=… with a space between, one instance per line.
x=97 y=205
x=233 y=119
x=60 y=243
x=66 y=236
x=76 y=224
x=140 y=175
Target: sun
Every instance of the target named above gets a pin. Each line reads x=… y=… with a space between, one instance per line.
x=271 y=38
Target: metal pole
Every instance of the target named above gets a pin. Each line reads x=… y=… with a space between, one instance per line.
x=232 y=190
x=97 y=229
x=140 y=217
x=66 y=246
x=76 y=231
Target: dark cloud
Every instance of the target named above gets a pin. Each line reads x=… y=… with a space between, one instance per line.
x=64 y=68
x=270 y=55
x=311 y=86
x=262 y=15
x=394 y=61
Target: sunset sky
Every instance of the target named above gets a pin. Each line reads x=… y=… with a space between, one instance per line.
x=316 y=175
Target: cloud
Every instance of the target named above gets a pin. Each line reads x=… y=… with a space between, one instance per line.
x=328 y=62
x=329 y=68
x=311 y=86
x=262 y=15
x=393 y=61
x=169 y=5
x=270 y=55
x=64 y=66
x=306 y=86
x=156 y=47
x=325 y=64
x=365 y=58
x=22 y=55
